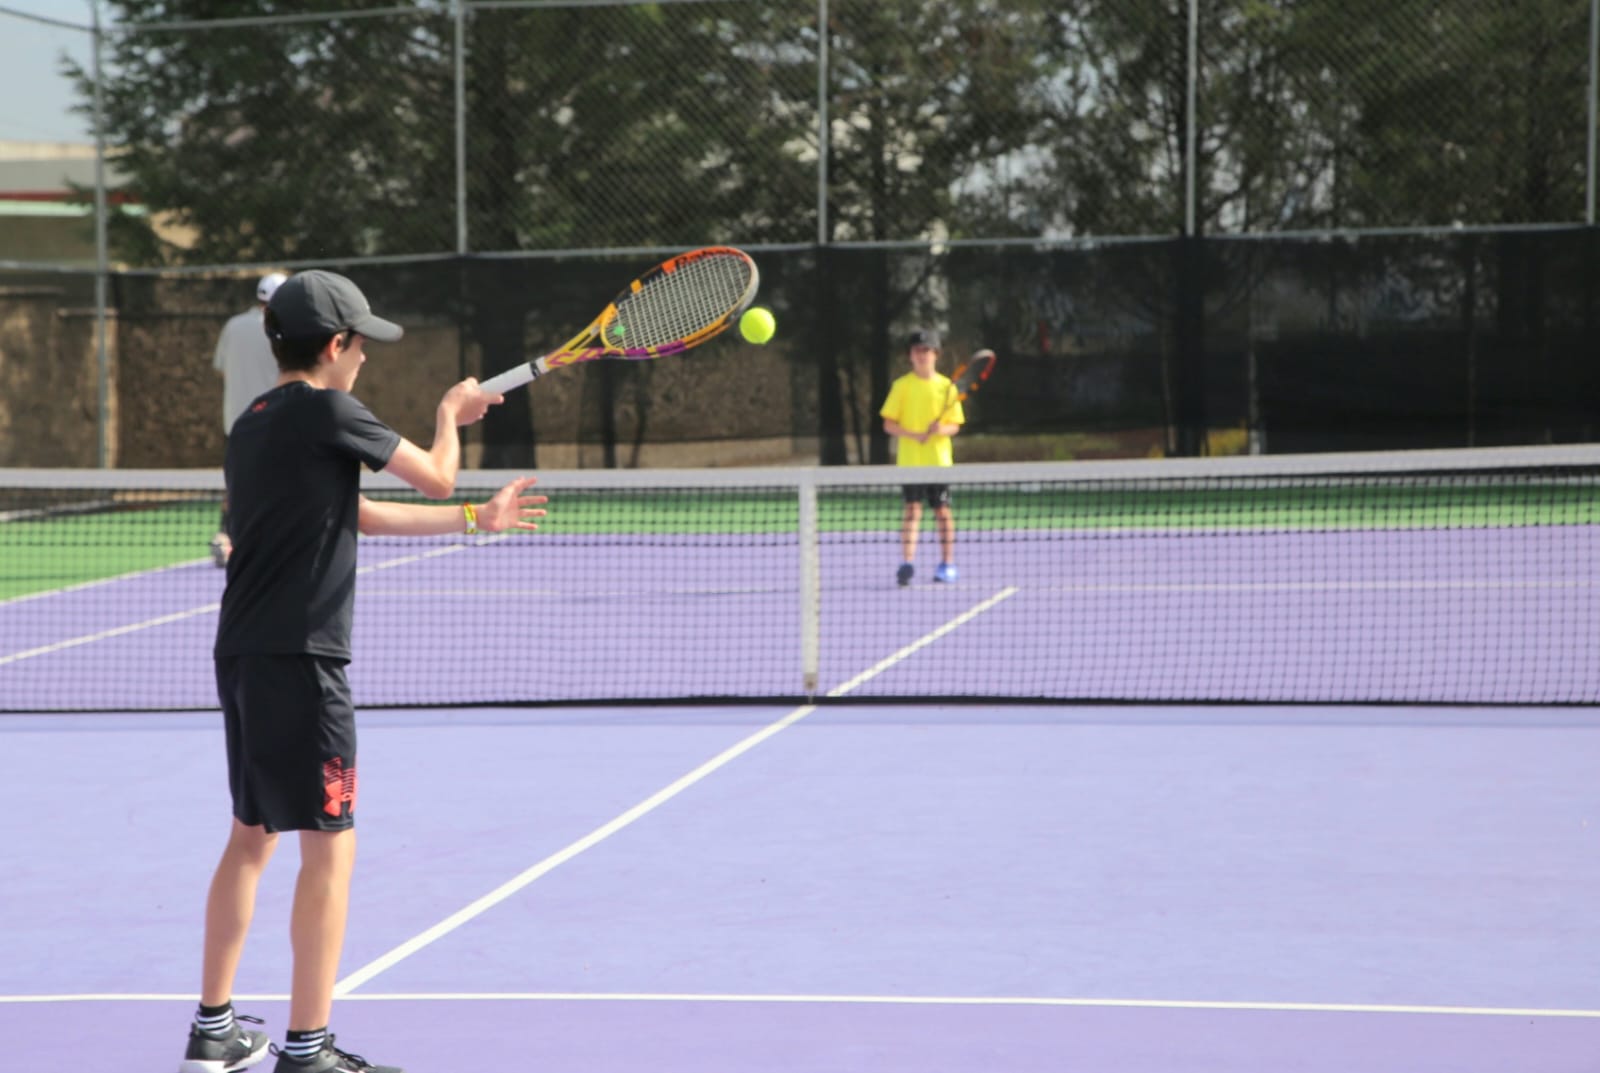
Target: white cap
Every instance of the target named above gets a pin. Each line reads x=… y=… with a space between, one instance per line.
x=269 y=283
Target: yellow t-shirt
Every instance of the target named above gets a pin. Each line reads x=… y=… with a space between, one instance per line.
x=915 y=404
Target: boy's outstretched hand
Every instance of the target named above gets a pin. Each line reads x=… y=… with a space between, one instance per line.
x=510 y=508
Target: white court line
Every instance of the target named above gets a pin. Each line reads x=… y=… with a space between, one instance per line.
x=1401 y=585
x=1396 y=585
x=81 y=585
x=580 y=594
x=643 y=808
x=924 y=641
x=118 y=631
x=851 y=1000
x=178 y=616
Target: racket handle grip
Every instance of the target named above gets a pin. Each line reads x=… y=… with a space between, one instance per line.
x=504 y=382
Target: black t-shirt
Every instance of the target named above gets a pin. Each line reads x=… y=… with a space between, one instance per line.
x=293 y=469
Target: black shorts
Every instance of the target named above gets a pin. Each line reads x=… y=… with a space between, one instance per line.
x=937 y=495
x=291 y=735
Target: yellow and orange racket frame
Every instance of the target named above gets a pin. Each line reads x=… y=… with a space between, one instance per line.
x=967 y=379
x=675 y=306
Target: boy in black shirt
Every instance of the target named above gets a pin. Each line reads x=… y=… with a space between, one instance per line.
x=293 y=472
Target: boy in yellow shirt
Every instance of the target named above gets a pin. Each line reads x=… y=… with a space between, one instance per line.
x=922 y=412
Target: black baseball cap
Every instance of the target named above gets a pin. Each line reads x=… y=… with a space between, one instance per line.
x=317 y=303
x=923 y=337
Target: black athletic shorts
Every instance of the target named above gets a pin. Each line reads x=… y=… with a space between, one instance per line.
x=937 y=495
x=291 y=736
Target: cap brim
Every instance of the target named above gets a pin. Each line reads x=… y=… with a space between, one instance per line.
x=384 y=331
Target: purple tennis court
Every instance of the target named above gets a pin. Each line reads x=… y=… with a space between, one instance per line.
x=1083 y=616
x=944 y=863
x=956 y=888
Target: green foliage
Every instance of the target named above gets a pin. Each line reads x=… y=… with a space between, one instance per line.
x=1317 y=114
x=669 y=125
x=312 y=139
x=935 y=110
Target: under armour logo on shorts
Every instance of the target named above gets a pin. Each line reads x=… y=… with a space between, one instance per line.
x=338 y=788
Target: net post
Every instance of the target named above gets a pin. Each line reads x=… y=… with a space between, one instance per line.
x=810 y=583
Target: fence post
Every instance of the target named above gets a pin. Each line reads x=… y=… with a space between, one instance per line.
x=822 y=121
x=458 y=14
x=1191 y=126
x=1189 y=344
x=1189 y=311
x=105 y=453
x=1594 y=108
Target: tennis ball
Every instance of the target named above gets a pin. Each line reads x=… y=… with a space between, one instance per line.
x=757 y=325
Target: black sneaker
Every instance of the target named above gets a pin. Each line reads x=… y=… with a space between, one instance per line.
x=329 y=1060
x=903 y=575
x=240 y=1049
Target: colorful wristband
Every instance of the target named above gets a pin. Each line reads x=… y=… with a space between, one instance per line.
x=472 y=517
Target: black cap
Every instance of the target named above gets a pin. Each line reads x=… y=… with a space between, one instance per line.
x=317 y=303
x=923 y=337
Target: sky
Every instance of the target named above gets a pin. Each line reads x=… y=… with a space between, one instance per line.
x=34 y=95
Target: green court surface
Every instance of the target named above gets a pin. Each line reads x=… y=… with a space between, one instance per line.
x=1310 y=507
x=40 y=554
x=42 y=551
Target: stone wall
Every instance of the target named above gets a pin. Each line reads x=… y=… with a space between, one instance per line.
x=49 y=380
x=725 y=404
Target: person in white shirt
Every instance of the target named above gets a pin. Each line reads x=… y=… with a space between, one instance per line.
x=244 y=358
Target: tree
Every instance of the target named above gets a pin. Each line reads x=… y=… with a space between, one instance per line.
x=275 y=142
x=588 y=129
x=319 y=139
x=929 y=102
x=651 y=127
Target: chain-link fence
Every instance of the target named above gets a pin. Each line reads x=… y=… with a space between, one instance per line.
x=384 y=130
x=1354 y=344
x=1188 y=226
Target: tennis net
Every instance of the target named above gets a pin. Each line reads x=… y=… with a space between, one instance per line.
x=1452 y=577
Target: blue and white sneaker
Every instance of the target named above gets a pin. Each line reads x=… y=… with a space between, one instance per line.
x=945 y=572
x=903 y=575
x=240 y=1049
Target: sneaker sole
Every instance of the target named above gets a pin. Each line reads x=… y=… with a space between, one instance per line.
x=196 y=1065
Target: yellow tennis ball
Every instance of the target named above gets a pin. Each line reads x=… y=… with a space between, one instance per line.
x=757 y=325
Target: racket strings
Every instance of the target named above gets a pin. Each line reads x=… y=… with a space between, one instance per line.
x=675 y=306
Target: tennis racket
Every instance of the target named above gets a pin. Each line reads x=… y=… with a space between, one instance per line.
x=967 y=380
x=676 y=305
